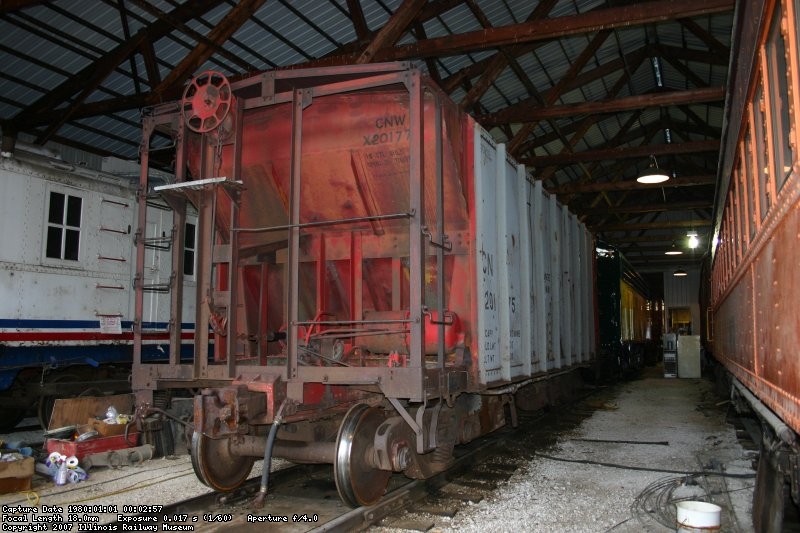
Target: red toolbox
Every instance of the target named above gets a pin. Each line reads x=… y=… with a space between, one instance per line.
x=95 y=445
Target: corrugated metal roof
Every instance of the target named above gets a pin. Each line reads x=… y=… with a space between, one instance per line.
x=43 y=45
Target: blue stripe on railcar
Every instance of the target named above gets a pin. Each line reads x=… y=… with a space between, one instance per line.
x=13 y=359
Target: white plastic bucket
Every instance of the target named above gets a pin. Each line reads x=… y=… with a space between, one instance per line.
x=698 y=517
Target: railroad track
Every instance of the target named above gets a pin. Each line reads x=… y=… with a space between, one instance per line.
x=304 y=497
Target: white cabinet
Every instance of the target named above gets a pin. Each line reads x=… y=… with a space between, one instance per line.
x=688 y=356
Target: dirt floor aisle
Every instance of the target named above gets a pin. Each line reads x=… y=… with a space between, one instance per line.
x=622 y=469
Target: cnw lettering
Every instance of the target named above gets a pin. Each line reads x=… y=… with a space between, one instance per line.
x=487 y=260
x=392 y=121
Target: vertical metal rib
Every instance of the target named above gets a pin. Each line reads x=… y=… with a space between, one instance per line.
x=293 y=262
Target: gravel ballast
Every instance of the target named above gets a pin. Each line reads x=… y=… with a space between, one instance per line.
x=584 y=480
x=563 y=488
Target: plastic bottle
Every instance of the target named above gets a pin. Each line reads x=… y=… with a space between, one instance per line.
x=61 y=475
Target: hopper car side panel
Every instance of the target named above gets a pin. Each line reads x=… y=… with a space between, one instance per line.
x=355 y=164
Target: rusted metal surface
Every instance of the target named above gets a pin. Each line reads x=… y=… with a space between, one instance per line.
x=363 y=242
x=755 y=287
x=321 y=170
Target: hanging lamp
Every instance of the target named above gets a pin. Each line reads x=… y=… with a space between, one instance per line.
x=653 y=174
x=673 y=250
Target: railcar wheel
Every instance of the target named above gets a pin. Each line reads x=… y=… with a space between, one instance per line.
x=10 y=417
x=216 y=466
x=773 y=508
x=46 y=403
x=358 y=482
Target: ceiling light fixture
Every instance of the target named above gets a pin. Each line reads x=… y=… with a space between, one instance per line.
x=673 y=250
x=680 y=273
x=694 y=242
x=653 y=174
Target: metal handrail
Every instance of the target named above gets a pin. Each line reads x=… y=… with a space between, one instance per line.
x=285 y=227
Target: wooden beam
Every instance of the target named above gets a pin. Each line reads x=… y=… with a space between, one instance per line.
x=545 y=173
x=472 y=70
x=700 y=124
x=712 y=42
x=651 y=208
x=651 y=237
x=7 y=6
x=621 y=153
x=583 y=188
x=682 y=132
x=516 y=142
x=89 y=75
x=348 y=52
x=231 y=22
x=193 y=34
x=666 y=262
x=392 y=30
x=102 y=68
x=617 y=170
x=150 y=64
x=357 y=17
x=635 y=247
x=695 y=128
x=103 y=107
x=590 y=120
x=666 y=224
x=689 y=54
x=500 y=60
x=684 y=69
x=541 y=30
x=434 y=8
x=126 y=32
x=437 y=7
x=433 y=69
x=527 y=113
x=626 y=65
x=558 y=89
x=577 y=65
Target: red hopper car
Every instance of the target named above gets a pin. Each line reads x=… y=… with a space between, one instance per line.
x=381 y=281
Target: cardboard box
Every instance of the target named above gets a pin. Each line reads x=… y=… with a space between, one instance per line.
x=95 y=445
x=107 y=430
x=16 y=476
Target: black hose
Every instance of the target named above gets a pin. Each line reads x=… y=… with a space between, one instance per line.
x=265 y=468
x=160 y=411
